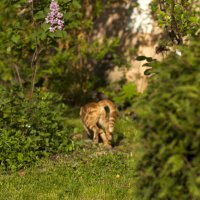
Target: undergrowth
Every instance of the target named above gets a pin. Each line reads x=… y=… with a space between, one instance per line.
x=31 y=128
x=89 y=173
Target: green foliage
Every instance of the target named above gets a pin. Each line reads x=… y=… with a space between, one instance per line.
x=148 y=59
x=180 y=18
x=31 y=55
x=31 y=128
x=169 y=114
x=123 y=96
x=127 y=95
x=76 y=81
x=149 y=63
x=98 y=52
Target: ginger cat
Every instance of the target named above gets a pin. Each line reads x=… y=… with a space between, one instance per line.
x=99 y=118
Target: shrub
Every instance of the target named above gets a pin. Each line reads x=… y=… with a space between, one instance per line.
x=169 y=115
x=30 y=128
x=63 y=61
x=126 y=93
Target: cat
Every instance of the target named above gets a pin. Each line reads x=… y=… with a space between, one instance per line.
x=99 y=118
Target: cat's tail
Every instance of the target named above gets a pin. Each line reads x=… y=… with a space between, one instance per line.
x=111 y=109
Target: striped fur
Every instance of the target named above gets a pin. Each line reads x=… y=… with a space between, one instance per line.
x=99 y=118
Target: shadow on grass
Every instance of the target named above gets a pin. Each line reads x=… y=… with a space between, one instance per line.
x=117 y=139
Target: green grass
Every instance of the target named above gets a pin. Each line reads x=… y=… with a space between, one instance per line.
x=89 y=173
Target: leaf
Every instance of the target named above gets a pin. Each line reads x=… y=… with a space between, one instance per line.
x=147 y=64
x=45 y=27
x=140 y=58
x=150 y=59
x=68 y=16
x=40 y=15
x=193 y=185
x=147 y=72
x=127 y=93
x=76 y=4
x=175 y=163
x=194 y=19
x=20 y=156
x=15 y=38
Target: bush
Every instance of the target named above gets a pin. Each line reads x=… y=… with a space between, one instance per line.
x=63 y=61
x=169 y=115
x=30 y=128
x=126 y=93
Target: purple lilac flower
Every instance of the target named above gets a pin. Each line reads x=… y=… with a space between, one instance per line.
x=54 y=17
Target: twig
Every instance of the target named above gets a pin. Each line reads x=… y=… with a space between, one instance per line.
x=35 y=68
x=18 y=76
x=174 y=27
x=33 y=79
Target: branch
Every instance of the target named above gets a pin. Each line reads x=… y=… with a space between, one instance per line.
x=18 y=76
x=175 y=32
x=35 y=68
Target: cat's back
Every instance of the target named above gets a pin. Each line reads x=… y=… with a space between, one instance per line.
x=89 y=110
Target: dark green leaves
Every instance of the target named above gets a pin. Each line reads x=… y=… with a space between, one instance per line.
x=148 y=59
x=169 y=114
x=30 y=128
x=126 y=95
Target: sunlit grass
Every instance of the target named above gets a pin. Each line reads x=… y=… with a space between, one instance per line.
x=93 y=180
x=87 y=174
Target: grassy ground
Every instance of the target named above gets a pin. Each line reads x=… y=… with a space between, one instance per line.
x=89 y=173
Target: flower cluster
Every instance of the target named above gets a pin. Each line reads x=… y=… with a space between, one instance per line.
x=30 y=1
x=54 y=17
